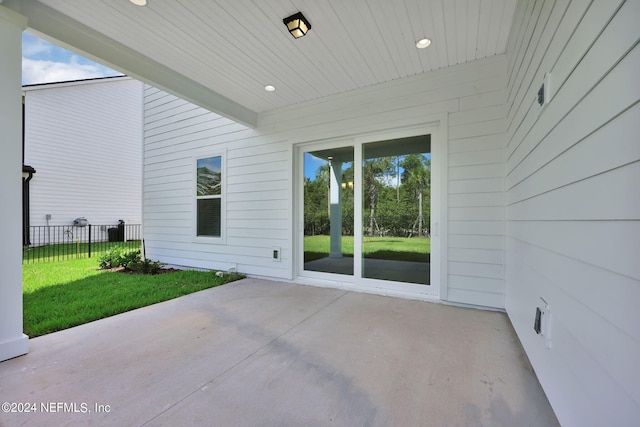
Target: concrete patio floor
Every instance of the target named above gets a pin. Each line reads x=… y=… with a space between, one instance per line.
x=262 y=353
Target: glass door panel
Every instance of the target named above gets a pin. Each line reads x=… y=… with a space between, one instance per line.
x=328 y=210
x=396 y=190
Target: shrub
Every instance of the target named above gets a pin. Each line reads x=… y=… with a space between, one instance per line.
x=110 y=259
x=130 y=259
x=146 y=266
x=119 y=257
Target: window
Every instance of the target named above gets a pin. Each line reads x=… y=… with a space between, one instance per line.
x=209 y=197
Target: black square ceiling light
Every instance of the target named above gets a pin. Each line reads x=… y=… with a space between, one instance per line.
x=297 y=25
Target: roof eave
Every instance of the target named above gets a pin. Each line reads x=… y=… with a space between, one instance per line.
x=61 y=29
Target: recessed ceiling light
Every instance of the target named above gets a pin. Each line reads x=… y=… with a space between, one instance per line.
x=139 y=2
x=422 y=43
x=269 y=88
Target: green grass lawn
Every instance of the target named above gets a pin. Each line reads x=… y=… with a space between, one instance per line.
x=392 y=248
x=60 y=295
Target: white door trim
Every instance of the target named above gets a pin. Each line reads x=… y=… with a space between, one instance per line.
x=438 y=288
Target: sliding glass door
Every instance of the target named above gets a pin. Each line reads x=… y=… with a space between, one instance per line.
x=328 y=210
x=366 y=211
x=396 y=193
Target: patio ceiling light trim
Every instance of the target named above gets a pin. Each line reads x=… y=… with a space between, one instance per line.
x=423 y=43
x=297 y=25
x=139 y=2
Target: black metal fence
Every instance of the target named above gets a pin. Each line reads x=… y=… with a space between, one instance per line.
x=62 y=242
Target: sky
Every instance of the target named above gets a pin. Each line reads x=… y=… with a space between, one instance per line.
x=311 y=165
x=214 y=164
x=43 y=62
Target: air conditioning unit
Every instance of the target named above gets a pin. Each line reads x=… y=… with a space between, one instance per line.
x=80 y=222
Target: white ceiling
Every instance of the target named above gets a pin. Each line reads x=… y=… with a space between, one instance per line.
x=233 y=48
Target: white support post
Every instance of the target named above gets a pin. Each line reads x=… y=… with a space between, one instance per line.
x=12 y=341
x=335 y=200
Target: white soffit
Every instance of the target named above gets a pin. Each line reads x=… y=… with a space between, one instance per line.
x=228 y=50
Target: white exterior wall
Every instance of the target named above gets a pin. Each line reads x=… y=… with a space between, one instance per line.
x=573 y=204
x=85 y=141
x=260 y=172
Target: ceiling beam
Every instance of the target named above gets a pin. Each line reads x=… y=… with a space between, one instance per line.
x=84 y=40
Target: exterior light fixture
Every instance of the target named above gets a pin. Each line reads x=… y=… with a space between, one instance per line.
x=349 y=184
x=297 y=25
x=422 y=43
x=269 y=88
x=139 y=2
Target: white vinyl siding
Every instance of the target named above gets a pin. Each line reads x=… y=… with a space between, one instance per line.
x=260 y=171
x=476 y=199
x=256 y=189
x=573 y=205
x=85 y=141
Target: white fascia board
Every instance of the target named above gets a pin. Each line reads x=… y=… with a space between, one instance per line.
x=71 y=34
x=97 y=80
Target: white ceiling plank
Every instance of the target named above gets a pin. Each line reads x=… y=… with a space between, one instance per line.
x=340 y=61
x=437 y=14
x=436 y=40
x=486 y=8
x=473 y=14
x=297 y=54
x=494 y=27
x=392 y=20
x=230 y=49
x=419 y=24
x=506 y=25
x=462 y=27
x=451 y=28
x=255 y=59
x=355 y=16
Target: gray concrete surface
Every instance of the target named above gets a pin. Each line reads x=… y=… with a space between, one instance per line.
x=261 y=353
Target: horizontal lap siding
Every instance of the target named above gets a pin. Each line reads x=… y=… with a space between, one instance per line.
x=260 y=171
x=573 y=205
x=257 y=189
x=84 y=140
x=476 y=201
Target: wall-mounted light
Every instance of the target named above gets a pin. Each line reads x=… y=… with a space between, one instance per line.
x=139 y=2
x=297 y=25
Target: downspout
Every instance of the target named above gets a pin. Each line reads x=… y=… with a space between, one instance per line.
x=26 y=213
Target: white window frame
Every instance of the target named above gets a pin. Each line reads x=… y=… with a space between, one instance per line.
x=223 y=197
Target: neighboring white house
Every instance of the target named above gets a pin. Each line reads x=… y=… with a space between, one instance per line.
x=535 y=202
x=84 y=140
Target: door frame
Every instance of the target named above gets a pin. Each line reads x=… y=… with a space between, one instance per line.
x=438 y=263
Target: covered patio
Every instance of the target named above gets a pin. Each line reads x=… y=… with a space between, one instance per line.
x=257 y=352
x=533 y=108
